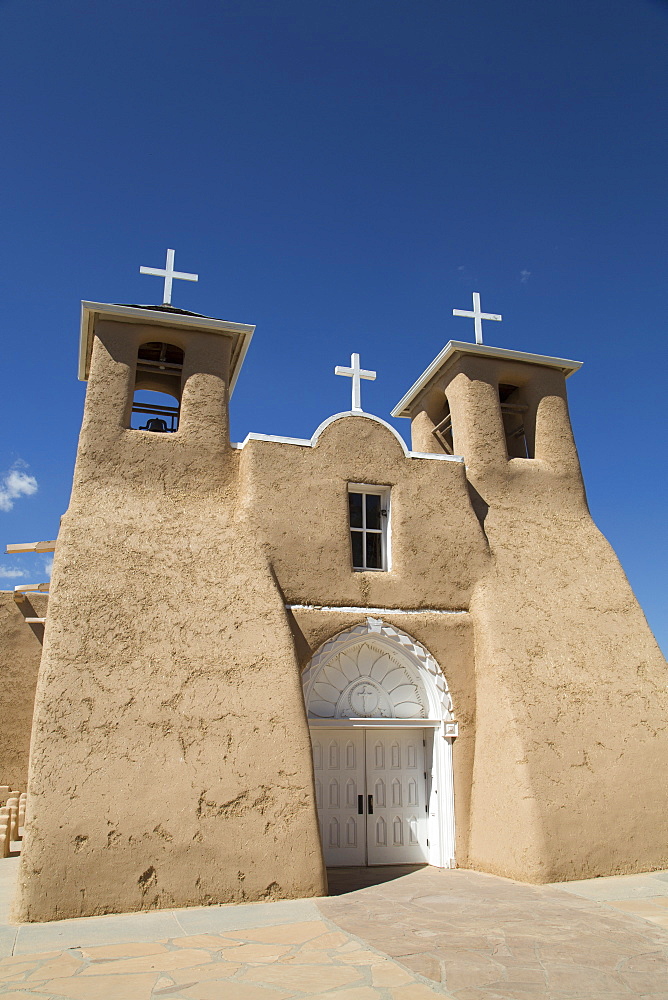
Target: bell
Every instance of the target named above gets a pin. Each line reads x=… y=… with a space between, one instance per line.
x=156 y=424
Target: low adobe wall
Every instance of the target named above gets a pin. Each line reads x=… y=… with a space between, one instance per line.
x=20 y=654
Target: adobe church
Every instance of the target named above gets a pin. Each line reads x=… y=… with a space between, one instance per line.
x=265 y=658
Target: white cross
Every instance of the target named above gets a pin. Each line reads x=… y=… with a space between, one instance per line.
x=355 y=373
x=477 y=316
x=168 y=274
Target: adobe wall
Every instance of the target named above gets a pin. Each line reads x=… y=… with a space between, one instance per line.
x=298 y=499
x=171 y=756
x=20 y=652
x=571 y=700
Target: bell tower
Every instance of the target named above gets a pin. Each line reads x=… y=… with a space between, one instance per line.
x=168 y=657
x=490 y=405
x=193 y=360
x=559 y=636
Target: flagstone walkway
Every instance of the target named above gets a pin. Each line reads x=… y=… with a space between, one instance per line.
x=427 y=934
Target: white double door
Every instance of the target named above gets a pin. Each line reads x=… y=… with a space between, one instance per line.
x=371 y=793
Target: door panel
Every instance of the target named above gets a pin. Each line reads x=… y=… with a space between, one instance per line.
x=397 y=828
x=338 y=762
x=381 y=773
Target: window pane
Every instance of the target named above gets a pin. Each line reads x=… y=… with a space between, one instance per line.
x=373 y=510
x=356 y=539
x=355 y=504
x=374 y=550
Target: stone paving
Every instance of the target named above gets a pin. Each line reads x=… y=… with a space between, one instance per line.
x=643 y=895
x=269 y=963
x=426 y=934
x=488 y=938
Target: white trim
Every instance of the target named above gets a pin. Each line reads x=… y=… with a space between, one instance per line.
x=92 y=311
x=374 y=723
x=374 y=611
x=436 y=456
x=454 y=347
x=448 y=729
x=273 y=438
x=305 y=443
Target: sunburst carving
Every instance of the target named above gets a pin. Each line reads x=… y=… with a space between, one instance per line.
x=358 y=674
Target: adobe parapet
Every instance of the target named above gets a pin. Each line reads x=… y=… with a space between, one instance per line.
x=312 y=442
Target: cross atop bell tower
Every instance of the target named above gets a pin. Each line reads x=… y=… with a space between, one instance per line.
x=168 y=273
x=477 y=316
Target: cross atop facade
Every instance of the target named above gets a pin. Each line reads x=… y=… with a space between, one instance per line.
x=168 y=274
x=355 y=373
x=477 y=316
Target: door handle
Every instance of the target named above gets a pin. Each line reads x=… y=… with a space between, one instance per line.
x=370 y=798
x=360 y=805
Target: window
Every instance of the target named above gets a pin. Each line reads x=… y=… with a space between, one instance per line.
x=369 y=508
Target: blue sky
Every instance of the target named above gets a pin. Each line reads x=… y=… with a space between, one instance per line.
x=343 y=174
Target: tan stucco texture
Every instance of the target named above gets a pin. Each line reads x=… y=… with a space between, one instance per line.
x=298 y=497
x=20 y=652
x=171 y=757
x=571 y=699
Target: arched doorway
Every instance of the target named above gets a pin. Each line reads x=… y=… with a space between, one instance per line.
x=381 y=723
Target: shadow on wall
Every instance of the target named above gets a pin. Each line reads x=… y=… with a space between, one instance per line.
x=28 y=610
x=479 y=505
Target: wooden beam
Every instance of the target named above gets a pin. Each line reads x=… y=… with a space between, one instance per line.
x=31 y=547
x=34 y=621
x=41 y=588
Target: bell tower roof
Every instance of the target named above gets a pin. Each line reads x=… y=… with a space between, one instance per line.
x=166 y=316
x=454 y=349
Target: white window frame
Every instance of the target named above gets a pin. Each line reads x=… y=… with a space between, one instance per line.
x=384 y=493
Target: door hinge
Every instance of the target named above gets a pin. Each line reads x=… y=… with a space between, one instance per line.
x=427 y=842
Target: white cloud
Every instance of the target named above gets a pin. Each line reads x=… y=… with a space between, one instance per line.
x=14 y=484
x=48 y=566
x=524 y=276
x=12 y=573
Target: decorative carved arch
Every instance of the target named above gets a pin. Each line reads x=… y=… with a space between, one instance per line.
x=374 y=670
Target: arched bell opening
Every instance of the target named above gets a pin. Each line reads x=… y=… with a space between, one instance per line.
x=156 y=400
x=514 y=408
x=443 y=428
x=381 y=722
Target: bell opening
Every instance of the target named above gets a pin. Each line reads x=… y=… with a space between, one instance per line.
x=156 y=400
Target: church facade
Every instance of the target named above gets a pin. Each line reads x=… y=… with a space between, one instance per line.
x=264 y=658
